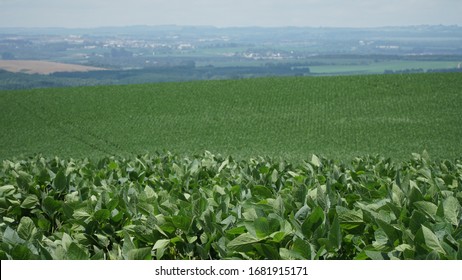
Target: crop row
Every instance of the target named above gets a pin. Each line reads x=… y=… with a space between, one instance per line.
x=338 y=117
x=164 y=206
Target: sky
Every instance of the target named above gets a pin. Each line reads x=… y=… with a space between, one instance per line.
x=226 y=13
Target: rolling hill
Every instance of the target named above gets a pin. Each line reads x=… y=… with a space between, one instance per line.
x=340 y=117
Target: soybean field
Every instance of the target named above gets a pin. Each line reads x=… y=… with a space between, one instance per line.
x=355 y=168
x=288 y=118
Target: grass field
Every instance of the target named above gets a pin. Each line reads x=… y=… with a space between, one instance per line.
x=338 y=117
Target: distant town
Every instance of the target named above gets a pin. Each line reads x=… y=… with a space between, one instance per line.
x=170 y=53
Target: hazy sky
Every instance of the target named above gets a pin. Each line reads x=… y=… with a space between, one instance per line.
x=348 y=13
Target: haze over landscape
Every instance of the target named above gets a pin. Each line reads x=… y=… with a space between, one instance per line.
x=224 y=13
x=231 y=130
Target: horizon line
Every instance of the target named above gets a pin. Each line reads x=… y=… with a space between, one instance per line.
x=232 y=27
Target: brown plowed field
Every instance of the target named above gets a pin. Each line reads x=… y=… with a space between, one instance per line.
x=43 y=67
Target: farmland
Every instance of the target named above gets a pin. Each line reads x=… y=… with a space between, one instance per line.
x=289 y=118
x=212 y=207
x=347 y=167
x=149 y=54
x=43 y=67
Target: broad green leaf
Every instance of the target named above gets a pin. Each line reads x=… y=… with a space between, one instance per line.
x=322 y=197
x=315 y=161
x=161 y=244
x=375 y=255
x=428 y=238
x=293 y=174
x=268 y=251
x=433 y=256
x=382 y=241
x=23 y=180
x=103 y=240
x=302 y=247
x=21 y=252
x=416 y=221
x=7 y=190
x=403 y=247
x=250 y=214
x=278 y=236
x=74 y=252
x=415 y=194
x=191 y=239
x=30 y=202
x=3 y=204
x=112 y=204
x=66 y=241
x=223 y=165
x=262 y=228
x=261 y=192
x=60 y=182
x=99 y=255
x=391 y=232
x=398 y=196
x=44 y=254
x=274 y=176
x=182 y=222
x=408 y=252
x=194 y=168
x=335 y=234
x=26 y=228
x=113 y=165
x=51 y=206
x=8 y=220
x=178 y=170
x=228 y=221
x=43 y=224
x=427 y=208
x=128 y=245
x=150 y=193
x=10 y=236
x=102 y=215
x=300 y=194
x=264 y=170
x=236 y=230
x=302 y=213
x=452 y=210
x=314 y=220
x=139 y=254
x=243 y=239
x=145 y=208
x=250 y=227
x=349 y=219
x=426 y=156
x=81 y=215
x=287 y=254
x=219 y=190
x=68 y=209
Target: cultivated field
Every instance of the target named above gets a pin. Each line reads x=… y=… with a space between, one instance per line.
x=43 y=67
x=87 y=174
x=212 y=207
x=290 y=118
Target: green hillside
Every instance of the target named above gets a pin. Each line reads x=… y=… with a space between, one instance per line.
x=290 y=118
x=187 y=203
